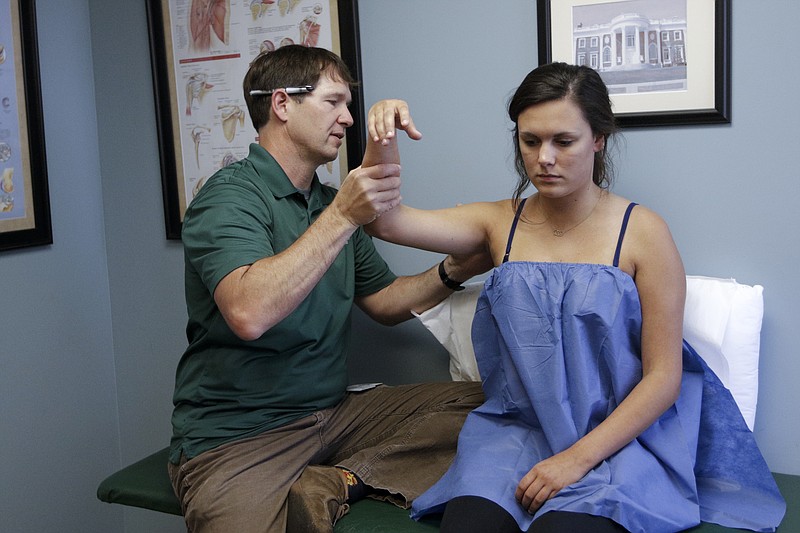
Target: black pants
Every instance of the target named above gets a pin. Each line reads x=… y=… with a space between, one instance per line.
x=471 y=514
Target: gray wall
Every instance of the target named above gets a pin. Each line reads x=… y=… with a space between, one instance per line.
x=59 y=423
x=95 y=322
x=729 y=193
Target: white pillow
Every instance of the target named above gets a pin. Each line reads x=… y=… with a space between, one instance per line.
x=451 y=323
x=722 y=321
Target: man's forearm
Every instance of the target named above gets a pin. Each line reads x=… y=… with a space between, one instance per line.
x=395 y=303
x=256 y=297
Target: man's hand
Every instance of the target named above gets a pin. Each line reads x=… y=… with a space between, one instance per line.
x=463 y=267
x=387 y=115
x=367 y=193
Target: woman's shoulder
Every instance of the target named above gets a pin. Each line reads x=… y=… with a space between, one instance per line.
x=645 y=232
x=647 y=239
x=646 y=221
x=640 y=216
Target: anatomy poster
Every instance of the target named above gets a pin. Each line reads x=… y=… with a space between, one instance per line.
x=24 y=202
x=15 y=194
x=210 y=44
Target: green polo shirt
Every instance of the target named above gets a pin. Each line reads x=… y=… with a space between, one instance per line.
x=227 y=388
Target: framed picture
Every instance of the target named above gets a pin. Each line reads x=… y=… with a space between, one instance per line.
x=200 y=51
x=665 y=62
x=24 y=197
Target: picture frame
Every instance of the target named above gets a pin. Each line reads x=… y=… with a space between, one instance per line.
x=24 y=195
x=201 y=115
x=662 y=68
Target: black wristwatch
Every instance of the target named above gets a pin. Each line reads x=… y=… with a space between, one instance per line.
x=449 y=283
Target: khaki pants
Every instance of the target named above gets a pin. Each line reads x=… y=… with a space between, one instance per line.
x=398 y=440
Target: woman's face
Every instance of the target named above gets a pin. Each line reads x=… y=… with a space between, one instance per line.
x=557 y=147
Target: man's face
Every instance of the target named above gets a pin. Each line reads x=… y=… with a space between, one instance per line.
x=317 y=124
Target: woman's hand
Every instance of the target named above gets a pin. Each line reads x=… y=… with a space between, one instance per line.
x=547 y=478
x=386 y=115
x=382 y=119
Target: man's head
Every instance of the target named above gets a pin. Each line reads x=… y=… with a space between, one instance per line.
x=289 y=66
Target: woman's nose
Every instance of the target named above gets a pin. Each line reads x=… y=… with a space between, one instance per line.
x=546 y=154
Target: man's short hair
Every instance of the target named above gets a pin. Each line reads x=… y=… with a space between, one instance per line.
x=289 y=66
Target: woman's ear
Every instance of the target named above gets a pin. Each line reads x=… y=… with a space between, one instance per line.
x=599 y=143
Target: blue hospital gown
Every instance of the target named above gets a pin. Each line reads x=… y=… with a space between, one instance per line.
x=558 y=348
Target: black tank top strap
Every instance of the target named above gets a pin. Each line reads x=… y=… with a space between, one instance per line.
x=622 y=232
x=513 y=229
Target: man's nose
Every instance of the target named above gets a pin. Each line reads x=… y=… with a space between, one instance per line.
x=346 y=118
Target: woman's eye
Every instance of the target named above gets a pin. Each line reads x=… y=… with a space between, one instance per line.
x=565 y=142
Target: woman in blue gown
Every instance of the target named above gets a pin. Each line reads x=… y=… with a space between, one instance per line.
x=598 y=417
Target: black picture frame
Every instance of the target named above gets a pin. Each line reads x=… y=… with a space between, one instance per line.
x=716 y=52
x=21 y=56
x=166 y=103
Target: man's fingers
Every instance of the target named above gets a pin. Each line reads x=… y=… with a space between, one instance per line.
x=383 y=170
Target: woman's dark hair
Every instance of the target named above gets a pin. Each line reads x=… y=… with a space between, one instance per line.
x=289 y=66
x=582 y=85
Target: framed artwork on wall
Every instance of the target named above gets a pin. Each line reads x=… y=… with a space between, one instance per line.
x=200 y=52
x=24 y=195
x=665 y=62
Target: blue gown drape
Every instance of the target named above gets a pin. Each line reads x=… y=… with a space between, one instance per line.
x=558 y=348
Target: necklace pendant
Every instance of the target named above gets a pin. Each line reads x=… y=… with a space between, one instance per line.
x=558 y=232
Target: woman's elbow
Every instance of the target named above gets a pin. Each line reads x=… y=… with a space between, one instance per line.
x=665 y=385
x=674 y=393
x=672 y=386
x=379 y=229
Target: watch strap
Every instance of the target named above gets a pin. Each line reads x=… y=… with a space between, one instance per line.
x=449 y=283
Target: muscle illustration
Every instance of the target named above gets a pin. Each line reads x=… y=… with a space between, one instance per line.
x=229 y=115
x=259 y=7
x=7 y=185
x=229 y=159
x=6 y=203
x=197 y=134
x=286 y=6
x=196 y=88
x=206 y=15
x=198 y=186
x=266 y=46
x=5 y=152
x=309 y=31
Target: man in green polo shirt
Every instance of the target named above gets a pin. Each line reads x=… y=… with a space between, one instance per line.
x=265 y=435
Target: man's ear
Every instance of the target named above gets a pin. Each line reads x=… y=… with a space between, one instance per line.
x=280 y=105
